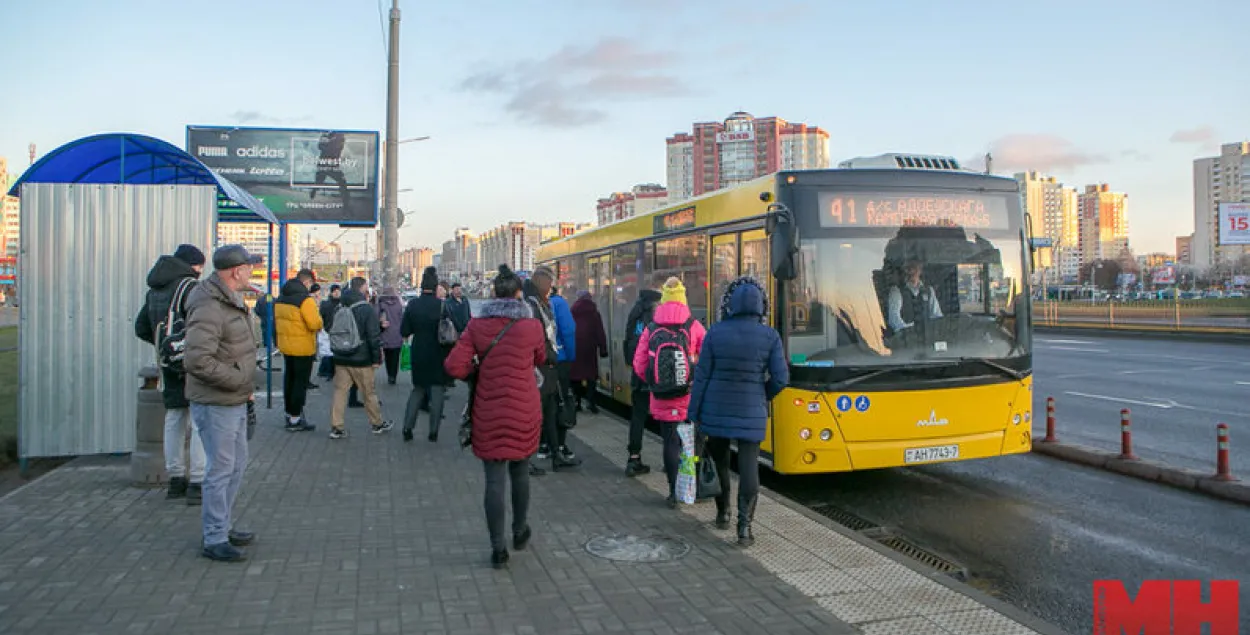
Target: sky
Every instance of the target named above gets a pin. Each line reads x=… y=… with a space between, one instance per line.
x=537 y=109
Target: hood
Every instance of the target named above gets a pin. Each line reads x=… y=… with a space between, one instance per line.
x=584 y=307
x=293 y=293
x=351 y=297
x=671 y=313
x=744 y=297
x=649 y=296
x=169 y=270
x=387 y=301
x=531 y=291
x=506 y=308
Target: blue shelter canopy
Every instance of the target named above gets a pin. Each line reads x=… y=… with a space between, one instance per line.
x=134 y=159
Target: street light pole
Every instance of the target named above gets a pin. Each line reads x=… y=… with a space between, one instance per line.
x=390 y=229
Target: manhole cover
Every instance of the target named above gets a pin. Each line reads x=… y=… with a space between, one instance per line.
x=628 y=548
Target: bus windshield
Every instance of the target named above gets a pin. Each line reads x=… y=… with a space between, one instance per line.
x=912 y=294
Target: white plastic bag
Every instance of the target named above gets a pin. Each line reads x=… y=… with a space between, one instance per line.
x=323 y=345
x=687 y=484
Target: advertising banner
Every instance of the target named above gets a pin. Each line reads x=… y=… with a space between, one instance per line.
x=305 y=176
x=1234 y=224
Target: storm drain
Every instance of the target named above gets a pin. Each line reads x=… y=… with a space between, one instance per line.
x=923 y=556
x=631 y=548
x=843 y=517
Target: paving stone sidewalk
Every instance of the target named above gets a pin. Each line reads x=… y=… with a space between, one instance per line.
x=369 y=535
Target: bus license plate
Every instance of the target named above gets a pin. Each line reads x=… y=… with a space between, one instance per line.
x=926 y=455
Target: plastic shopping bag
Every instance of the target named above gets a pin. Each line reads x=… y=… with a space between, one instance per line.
x=687 y=482
x=323 y=345
x=405 y=357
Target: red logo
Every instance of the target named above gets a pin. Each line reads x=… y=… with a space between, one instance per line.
x=1165 y=607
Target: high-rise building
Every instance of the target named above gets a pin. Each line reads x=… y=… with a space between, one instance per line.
x=1103 y=224
x=1221 y=179
x=320 y=252
x=642 y=199
x=10 y=214
x=722 y=154
x=1054 y=212
x=255 y=238
x=1184 y=250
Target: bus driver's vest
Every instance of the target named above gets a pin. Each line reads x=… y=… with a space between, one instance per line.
x=915 y=307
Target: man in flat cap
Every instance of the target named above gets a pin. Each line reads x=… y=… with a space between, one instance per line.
x=220 y=361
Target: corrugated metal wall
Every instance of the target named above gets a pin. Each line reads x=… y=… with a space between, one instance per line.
x=86 y=252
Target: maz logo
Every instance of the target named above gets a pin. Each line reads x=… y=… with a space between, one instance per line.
x=932 y=420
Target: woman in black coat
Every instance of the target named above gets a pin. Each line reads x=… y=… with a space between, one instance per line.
x=420 y=322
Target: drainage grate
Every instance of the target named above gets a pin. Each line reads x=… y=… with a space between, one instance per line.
x=923 y=555
x=843 y=517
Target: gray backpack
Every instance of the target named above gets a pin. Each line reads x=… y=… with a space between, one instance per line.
x=344 y=333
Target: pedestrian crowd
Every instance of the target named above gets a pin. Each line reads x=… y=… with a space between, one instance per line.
x=529 y=361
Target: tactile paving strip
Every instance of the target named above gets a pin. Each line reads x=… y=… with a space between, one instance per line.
x=855 y=583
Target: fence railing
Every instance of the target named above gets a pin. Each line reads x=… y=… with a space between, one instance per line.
x=1198 y=316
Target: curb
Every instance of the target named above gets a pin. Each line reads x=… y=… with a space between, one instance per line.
x=1146 y=470
x=1217 y=337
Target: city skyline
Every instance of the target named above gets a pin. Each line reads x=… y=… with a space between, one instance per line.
x=536 y=119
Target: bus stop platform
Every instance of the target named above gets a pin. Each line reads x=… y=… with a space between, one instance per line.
x=369 y=535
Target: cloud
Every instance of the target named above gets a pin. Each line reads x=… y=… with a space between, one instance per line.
x=1134 y=155
x=572 y=86
x=245 y=117
x=1201 y=134
x=1048 y=153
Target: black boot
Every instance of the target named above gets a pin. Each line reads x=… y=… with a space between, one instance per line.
x=177 y=487
x=195 y=494
x=499 y=559
x=722 y=515
x=745 y=515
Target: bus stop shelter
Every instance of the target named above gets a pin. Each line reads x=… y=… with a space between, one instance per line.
x=95 y=215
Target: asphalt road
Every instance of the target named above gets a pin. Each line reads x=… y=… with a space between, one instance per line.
x=1176 y=390
x=1037 y=532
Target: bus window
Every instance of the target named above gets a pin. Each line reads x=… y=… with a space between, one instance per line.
x=684 y=257
x=724 y=266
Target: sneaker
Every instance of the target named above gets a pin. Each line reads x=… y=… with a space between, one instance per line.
x=384 y=427
x=195 y=494
x=223 y=552
x=499 y=559
x=177 y=487
x=337 y=433
x=635 y=467
x=543 y=452
x=407 y=435
x=521 y=540
x=241 y=538
x=567 y=454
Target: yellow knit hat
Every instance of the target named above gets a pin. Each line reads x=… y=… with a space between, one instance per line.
x=673 y=291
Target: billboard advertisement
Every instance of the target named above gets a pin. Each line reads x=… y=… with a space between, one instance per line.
x=304 y=176
x=1164 y=275
x=1234 y=224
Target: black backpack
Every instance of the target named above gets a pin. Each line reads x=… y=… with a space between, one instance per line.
x=172 y=332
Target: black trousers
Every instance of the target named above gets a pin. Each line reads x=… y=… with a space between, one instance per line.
x=498 y=474
x=672 y=453
x=554 y=436
x=295 y=379
x=640 y=414
x=391 y=355
x=586 y=389
x=748 y=474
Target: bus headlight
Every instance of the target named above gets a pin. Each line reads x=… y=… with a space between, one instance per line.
x=826 y=434
x=805 y=434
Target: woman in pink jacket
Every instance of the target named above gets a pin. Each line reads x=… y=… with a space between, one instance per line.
x=674 y=312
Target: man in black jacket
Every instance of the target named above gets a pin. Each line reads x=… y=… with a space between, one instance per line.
x=329 y=305
x=359 y=365
x=639 y=317
x=174 y=276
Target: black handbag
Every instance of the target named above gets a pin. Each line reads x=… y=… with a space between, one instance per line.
x=707 y=481
x=466 y=418
x=251 y=420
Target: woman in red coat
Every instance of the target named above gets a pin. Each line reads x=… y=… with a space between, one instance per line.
x=507 y=413
x=592 y=344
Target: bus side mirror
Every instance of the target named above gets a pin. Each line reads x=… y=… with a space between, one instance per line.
x=783 y=237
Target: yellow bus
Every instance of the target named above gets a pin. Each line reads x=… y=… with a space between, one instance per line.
x=886 y=369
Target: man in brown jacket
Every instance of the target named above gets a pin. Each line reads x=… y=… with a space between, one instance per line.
x=220 y=360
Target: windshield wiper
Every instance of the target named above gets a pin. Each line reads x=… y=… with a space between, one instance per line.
x=846 y=383
x=1004 y=370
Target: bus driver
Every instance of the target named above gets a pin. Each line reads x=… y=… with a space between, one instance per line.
x=906 y=303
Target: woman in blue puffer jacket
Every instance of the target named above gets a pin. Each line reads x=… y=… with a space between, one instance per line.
x=741 y=368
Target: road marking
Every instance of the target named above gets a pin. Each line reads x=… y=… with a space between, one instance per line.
x=1053 y=341
x=1074 y=348
x=1242 y=383
x=1165 y=404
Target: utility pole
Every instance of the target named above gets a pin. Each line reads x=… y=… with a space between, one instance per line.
x=390 y=229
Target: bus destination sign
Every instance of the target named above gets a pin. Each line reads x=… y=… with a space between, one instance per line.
x=675 y=221
x=954 y=209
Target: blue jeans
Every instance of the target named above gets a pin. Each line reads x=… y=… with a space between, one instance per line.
x=223 y=430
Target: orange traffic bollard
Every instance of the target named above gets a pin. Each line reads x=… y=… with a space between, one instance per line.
x=1126 y=436
x=1222 y=470
x=1050 y=421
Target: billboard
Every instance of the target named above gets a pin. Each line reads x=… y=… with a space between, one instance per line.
x=304 y=176
x=1234 y=224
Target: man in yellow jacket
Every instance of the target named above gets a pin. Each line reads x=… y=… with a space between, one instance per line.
x=297 y=319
